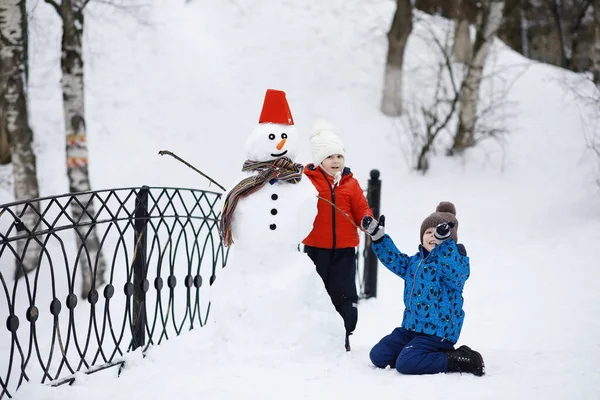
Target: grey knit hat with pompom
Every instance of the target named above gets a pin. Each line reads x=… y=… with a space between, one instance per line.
x=444 y=212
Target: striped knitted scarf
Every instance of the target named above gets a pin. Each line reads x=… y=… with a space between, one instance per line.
x=282 y=168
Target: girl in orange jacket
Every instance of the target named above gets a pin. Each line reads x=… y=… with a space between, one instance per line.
x=333 y=240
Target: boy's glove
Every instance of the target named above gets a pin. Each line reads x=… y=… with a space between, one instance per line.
x=443 y=231
x=374 y=228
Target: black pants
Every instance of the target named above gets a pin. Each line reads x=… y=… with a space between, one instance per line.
x=337 y=268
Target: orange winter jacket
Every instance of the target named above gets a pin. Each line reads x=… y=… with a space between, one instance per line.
x=331 y=229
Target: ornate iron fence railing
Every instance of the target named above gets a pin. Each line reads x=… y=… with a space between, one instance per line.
x=139 y=282
x=80 y=288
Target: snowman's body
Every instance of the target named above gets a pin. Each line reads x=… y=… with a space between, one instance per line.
x=270 y=293
x=273 y=302
x=280 y=214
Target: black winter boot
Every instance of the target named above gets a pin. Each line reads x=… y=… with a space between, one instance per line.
x=347 y=341
x=464 y=359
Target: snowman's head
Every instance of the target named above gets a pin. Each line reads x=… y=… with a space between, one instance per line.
x=275 y=136
x=270 y=141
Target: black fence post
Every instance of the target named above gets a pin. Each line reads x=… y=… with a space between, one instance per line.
x=140 y=269
x=370 y=268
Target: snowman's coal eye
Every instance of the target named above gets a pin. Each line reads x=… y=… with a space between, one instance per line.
x=272 y=136
x=284 y=135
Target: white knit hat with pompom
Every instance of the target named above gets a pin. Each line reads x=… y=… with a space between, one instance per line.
x=324 y=142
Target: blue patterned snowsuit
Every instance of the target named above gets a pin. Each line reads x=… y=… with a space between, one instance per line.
x=433 y=286
x=433 y=314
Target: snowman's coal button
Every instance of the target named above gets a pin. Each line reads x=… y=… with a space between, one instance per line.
x=274 y=196
x=273 y=227
x=273 y=211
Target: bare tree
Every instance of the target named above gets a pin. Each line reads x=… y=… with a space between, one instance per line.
x=576 y=31
x=587 y=94
x=524 y=27
x=596 y=50
x=486 y=32
x=391 y=104
x=5 y=156
x=463 y=47
x=556 y=7
x=558 y=32
x=432 y=111
x=429 y=6
x=16 y=132
x=561 y=32
x=593 y=138
x=92 y=262
x=436 y=117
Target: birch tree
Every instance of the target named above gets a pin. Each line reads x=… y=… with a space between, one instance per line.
x=490 y=23
x=463 y=48
x=596 y=49
x=391 y=104
x=15 y=127
x=91 y=261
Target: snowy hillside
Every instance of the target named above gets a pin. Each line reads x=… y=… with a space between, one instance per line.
x=192 y=81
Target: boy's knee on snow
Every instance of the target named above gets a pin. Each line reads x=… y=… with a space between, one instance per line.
x=378 y=359
x=406 y=366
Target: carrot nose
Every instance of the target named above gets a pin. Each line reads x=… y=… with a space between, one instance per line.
x=280 y=144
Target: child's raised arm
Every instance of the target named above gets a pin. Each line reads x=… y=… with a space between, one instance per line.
x=384 y=247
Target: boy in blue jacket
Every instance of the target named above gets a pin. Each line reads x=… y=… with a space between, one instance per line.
x=433 y=316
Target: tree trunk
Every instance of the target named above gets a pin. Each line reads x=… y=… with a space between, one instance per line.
x=524 y=25
x=391 y=104
x=429 y=6
x=6 y=30
x=558 y=20
x=596 y=48
x=16 y=129
x=463 y=48
x=83 y=211
x=491 y=21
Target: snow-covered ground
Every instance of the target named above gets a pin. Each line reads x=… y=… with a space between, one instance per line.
x=192 y=81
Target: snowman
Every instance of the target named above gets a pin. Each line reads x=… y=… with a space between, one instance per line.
x=272 y=205
x=269 y=296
